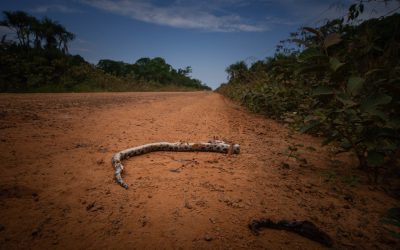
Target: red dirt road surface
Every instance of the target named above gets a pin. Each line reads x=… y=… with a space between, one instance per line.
x=57 y=189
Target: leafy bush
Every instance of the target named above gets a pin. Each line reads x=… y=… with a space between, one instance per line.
x=339 y=80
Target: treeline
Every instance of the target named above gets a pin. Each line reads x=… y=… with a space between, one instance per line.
x=36 y=59
x=340 y=80
x=155 y=70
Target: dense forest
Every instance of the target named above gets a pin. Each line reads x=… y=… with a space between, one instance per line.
x=36 y=59
x=340 y=81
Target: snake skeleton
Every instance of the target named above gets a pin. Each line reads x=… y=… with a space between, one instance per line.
x=210 y=146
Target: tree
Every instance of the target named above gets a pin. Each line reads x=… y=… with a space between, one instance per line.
x=142 y=69
x=116 y=68
x=237 y=71
x=186 y=71
x=155 y=69
x=53 y=34
x=38 y=33
x=64 y=37
x=21 y=23
x=160 y=70
x=49 y=29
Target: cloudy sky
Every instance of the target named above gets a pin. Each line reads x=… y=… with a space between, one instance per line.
x=208 y=35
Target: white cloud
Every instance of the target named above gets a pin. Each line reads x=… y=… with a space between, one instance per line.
x=179 y=14
x=54 y=8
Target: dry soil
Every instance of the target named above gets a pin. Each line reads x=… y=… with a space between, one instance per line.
x=57 y=189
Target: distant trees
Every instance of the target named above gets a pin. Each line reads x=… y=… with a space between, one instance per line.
x=31 y=32
x=37 y=60
x=116 y=68
x=155 y=70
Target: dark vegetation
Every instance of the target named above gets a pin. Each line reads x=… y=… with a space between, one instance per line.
x=340 y=81
x=37 y=60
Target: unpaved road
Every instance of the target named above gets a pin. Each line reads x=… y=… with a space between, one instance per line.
x=57 y=189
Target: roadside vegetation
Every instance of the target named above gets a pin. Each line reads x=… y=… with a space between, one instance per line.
x=340 y=81
x=36 y=59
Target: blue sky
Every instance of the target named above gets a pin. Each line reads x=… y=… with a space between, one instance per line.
x=208 y=35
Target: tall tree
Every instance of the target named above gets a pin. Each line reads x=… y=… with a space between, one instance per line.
x=64 y=37
x=237 y=71
x=46 y=31
x=49 y=32
x=21 y=23
x=38 y=33
x=54 y=34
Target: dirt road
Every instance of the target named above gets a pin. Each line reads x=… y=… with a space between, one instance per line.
x=57 y=189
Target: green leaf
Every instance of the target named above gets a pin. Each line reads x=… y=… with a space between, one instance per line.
x=393 y=233
x=389 y=146
x=335 y=63
x=380 y=81
x=394 y=123
x=378 y=113
x=377 y=48
x=390 y=222
x=332 y=39
x=323 y=90
x=392 y=217
x=310 y=118
x=307 y=68
x=345 y=144
x=374 y=71
x=331 y=138
x=372 y=102
x=375 y=159
x=345 y=100
x=394 y=81
x=393 y=213
x=309 y=126
x=354 y=85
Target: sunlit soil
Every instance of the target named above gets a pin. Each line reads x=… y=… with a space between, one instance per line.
x=57 y=189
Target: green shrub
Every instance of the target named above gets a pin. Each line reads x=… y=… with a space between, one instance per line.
x=343 y=82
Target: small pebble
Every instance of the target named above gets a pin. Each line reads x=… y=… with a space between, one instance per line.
x=208 y=238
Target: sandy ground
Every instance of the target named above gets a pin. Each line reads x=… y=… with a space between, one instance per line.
x=57 y=189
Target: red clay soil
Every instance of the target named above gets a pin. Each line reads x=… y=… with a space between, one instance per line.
x=57 y=189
